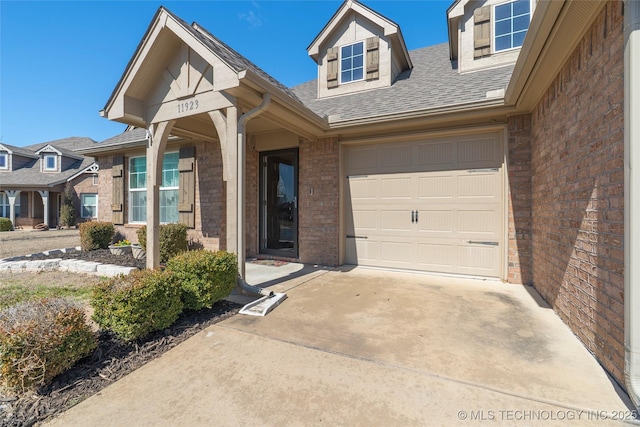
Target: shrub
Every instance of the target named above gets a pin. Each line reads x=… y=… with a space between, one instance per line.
x=173 y=240
x=204 y=276
x=5 y=224
x=41 y=339
x=135 y=305
x=96 y=235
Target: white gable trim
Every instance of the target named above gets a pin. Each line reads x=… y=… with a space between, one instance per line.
x=92 y=168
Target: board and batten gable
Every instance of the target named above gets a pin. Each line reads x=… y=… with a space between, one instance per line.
x=354 y=29
x=472 y=33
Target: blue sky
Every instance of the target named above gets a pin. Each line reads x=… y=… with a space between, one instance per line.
x=59 y=61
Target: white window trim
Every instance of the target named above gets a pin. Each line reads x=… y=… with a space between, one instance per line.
x=82 y=204
x=129 y=189
x=364 y=63
x=494 y=22
x=55 y=162
x=6 y=161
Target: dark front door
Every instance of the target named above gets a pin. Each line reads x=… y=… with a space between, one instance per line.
x=279 y=203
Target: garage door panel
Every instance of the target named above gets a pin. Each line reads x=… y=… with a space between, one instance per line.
x=435 y=257
x=478 y=258
x=436 y=187
x=474 y=223
x=430 y=205
x=436 y=221
x=479 y=186
x=395 y=188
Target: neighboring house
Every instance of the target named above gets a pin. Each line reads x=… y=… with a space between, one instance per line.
x=33 y=179
x=499 y=154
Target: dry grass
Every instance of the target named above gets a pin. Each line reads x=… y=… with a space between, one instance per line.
x=16 y=287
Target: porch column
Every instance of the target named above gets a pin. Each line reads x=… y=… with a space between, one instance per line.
x=227 y=129
x=45 y=201
x=159 y=134
x=241 y=178
x=11 y=195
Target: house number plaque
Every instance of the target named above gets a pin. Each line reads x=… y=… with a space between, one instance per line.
x=186 y=106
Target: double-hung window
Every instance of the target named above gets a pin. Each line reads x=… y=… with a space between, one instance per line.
x=50 y=162
x=5 y=206
x=511 y=24
x=89 y=205
x=352 y=62
x=168 y=189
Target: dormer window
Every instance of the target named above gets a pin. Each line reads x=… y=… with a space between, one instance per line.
x=4 y=161
x=352 y=62
x=511 y=24
x=50 y=162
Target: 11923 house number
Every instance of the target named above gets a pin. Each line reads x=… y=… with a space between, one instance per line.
x=186 y=106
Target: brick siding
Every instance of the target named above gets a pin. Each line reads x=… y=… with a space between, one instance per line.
x=577 y=191
x=519 y=199
x=319 y=210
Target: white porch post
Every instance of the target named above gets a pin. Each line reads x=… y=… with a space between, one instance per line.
x=11 y=195
x=155 y=155
x=45 y=201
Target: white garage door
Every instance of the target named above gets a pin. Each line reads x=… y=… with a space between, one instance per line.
x=433 y=205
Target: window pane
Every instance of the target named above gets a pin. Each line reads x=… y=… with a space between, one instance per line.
x=357 y=74
x=520 y=7
x=357 y=49
x=503 y=27
x=346 y=63
x=138 y=206
x=503 y=42
x=357 y=61
x=518 y=38
x=346 y=51
x=346 y=76
x=3 y=161
x=169 y=206
x=170 y=173
x=50 y=162
x=503 y=11
x=521 y=23
x=138 y=172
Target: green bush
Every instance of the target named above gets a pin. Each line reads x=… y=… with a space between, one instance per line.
x=96 y=235
x=135 y=305
x=204 y=276
x=5 y=224
x=41 y=339
x=173 y=240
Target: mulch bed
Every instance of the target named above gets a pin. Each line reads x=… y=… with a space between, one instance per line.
x=111 y=360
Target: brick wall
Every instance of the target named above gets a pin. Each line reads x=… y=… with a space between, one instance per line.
x=577 y=191
x=83 y=184
x=319 y=209
x=519 y=199
x=210 y=197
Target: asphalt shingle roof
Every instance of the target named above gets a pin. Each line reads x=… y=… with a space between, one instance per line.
x=432 y=83
x=129 y=135
x=71 y=144
x=30 y=175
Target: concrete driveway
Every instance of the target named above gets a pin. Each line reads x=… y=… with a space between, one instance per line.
x=368 y=347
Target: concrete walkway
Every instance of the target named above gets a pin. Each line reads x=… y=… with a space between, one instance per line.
x=368 y=347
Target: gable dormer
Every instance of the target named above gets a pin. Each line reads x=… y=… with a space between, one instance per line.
x=54 y=159
x=487 y=33
x=12 y=158
x=358 y=50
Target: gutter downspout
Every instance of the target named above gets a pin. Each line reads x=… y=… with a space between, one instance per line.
x=242 y=121
x=632 y=198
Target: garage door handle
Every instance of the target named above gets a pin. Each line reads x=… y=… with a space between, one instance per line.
x=416 y=215
x=413 y=217
x=475 y=242
x=349 y=236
